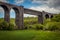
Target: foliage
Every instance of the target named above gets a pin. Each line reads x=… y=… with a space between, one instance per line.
x=56 y=18
x=32 y=23
x=11 y=26
x=6 y=26
x=38 y=26
x=30 y=20
x=53 y=26
x=35 y=26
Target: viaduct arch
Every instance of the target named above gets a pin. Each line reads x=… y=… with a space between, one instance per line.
x=20 y=10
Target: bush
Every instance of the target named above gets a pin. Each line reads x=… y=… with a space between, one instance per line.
x=10 y=27
x=6 y=26
x=53 y=26
x=34 y=26
x=38 y=26
x=28 y=26
x=56 y=18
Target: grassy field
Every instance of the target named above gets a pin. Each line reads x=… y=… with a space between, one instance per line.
x=29 y=35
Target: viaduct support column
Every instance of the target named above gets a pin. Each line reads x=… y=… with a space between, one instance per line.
x=19 y=18
x=7 y=16
x=40 y=19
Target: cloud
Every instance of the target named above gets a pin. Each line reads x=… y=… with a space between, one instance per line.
x=28 y=15
x=1 y=10
x=4 y=1
x=39 y=1
x=15 y=1
x=18 y=1
x=50 y=3
x=45 y=8
x=54 y=3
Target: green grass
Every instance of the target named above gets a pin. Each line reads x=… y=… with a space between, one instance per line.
x=29 y=35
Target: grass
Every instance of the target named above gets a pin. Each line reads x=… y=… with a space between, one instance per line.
x=29 y=35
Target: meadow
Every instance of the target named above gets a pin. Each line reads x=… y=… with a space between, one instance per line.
x=28 y=34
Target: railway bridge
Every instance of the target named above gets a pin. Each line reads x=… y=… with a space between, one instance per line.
x=20 y=10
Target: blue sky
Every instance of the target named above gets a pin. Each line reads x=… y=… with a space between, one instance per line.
x=25 y=3
x=52 y=6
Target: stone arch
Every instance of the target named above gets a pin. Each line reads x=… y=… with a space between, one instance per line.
x=51 y=16
x=6 y=13
x=46 y=16
x=17 y=16
x=15 y=9
x=16 y=13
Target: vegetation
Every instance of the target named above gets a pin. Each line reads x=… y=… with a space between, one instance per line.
x=35 y=31
x=6 y=26
x=32 y=23
x=29 y=35
x=56 y=18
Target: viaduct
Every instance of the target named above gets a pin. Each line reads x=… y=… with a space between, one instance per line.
x=20 y=10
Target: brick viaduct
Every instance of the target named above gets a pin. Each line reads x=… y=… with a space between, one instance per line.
x=20 y=10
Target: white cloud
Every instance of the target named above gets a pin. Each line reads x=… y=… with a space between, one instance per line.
x=50 y=3
x=18 y=1
x=39 y=1
x=45 y=8
x=4 y=1
x=28 y=15
x=1 y=10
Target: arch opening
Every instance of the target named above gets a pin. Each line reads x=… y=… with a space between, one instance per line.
x=13 y=16
x=1 y=12
x=51 y=16
x=4 y=11
x=30 y=20
x=46 y=16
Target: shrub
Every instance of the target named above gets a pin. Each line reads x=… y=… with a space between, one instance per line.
x=34 y=26
x=38 y=26
x=53 y=26
x=56 y=18
x=28 y=26
x=10 y=27
x=4 y=25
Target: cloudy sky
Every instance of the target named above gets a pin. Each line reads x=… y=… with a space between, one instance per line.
x=51 y=6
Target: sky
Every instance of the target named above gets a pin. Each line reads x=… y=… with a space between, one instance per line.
x=51 y=6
